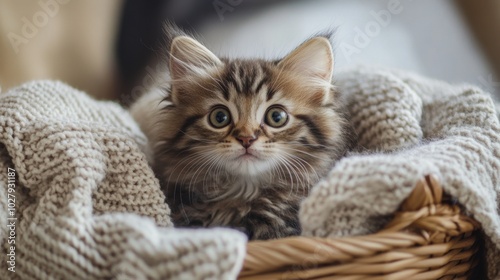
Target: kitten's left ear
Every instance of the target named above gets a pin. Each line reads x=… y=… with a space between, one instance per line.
x=187 y=56
x=314 y=58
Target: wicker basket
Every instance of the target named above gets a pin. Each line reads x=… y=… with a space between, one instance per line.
x=429 y=238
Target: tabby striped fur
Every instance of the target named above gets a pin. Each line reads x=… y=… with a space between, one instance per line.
x=207 y=178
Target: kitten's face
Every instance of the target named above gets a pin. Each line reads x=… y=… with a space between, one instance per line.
x=251 y=118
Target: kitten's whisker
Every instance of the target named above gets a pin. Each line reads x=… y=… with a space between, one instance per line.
x=171 y=170
x=213 y=164
x=189 y=189
x=193 y=157
x=277 y=165
x=218 y=170
x=307 y=145
x=279 y=169
x=285 y=164
x=299 y=161
x=206 y=155
x=303 y=152
x=272 y=163
x=316 y=175
x=184 y=151
x=194 y=176
x=293 y=158
x=190 y=157
x=297 y=173
x=301 y=181
x=207 y=160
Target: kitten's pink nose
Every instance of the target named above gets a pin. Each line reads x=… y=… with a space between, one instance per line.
x=246 y=141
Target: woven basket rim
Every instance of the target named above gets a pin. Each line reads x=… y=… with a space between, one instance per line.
x=428 y=237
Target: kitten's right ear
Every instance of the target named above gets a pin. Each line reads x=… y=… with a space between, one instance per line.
x=313 y=59
x=188 y=57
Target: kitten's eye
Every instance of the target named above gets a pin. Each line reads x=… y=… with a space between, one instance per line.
x=276 y=117
x=220 y=117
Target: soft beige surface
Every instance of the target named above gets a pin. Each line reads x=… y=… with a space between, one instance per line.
x=83 y=182
x=69 y=40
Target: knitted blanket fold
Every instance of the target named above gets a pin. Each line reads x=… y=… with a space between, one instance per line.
x=87 y=205
x=408 y=127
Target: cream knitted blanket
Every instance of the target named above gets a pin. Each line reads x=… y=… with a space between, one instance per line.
x=88 y=206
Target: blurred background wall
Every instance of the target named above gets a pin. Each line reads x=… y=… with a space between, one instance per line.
x=69 y=40
x=112 y=48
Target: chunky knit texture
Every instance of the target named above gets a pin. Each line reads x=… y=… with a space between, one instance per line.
x=408 y=127
x=88 y=206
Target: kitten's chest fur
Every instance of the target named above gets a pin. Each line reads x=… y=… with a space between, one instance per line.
x=263 y=209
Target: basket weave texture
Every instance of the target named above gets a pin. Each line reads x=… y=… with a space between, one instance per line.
x=428 y=238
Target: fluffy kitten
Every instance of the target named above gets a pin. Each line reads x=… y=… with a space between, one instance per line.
x=238 y=143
